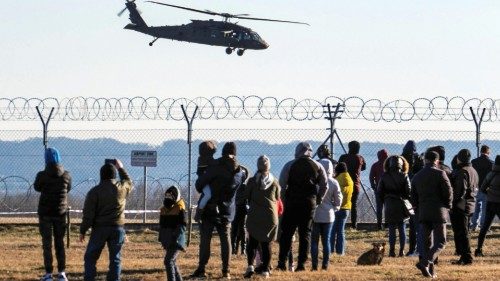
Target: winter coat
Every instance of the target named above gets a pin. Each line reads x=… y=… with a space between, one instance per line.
x=262 y=218
x=173 y=221
x=346 y=188
x=465 y=183
x=431 y=194
x=224 y=177
x=415 y=162
x=377 y=169
x=483 y=165
x=392 y=189
x=53 y=183
x=491 y=185
x=325 y=212
x=105 y=203
x=355 y=164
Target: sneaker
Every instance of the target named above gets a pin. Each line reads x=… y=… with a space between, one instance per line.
x=424 y=269
x=250 y=271
x=264 y=274
x=478 y=253
x=300 y=267
x=198 y=273
x=401 y=254
x=62 y=276
x=431 y=270
x=47 y=277
x=281 y=267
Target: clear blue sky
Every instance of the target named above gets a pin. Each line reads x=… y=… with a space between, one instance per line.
x=373 y=48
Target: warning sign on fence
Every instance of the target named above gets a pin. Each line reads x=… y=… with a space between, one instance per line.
x=143 y=158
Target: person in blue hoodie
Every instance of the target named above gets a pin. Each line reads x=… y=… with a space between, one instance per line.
x=53 y=183
x=172 y=235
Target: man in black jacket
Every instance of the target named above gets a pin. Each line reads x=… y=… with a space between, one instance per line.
x=483 y=165
x=465 y=185
x=431 y=195
x=53 y=183
x=225 y=176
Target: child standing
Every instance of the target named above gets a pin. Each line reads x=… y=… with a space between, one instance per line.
x=206 y=152
x=172 y=231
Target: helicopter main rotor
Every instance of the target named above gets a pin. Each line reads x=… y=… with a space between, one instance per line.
x=226 y=16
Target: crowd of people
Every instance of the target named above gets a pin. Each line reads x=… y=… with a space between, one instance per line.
x=310 y=198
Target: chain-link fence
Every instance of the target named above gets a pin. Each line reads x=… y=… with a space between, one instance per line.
x=83 y=152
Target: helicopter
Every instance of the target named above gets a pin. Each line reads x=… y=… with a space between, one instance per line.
x=208 y=32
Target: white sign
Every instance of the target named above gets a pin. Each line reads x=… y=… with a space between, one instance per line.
x=143 y=158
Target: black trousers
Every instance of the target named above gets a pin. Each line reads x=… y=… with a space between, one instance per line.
x=206 y=231
x=354 y=208
x=492 y=210
x=461 y=237
x=412 y=237
x=238 y=229
x=252 y=247
x=296 y=216
x=56 y=226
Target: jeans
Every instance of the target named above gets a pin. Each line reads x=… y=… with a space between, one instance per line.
x=252 y=248
x=337 y=239
x=492 y=210
x=206 y=231
x=47 y=227
x=354 y=208
x=479 y=211
x=433 y=237
x=324 y=230
x=392 y=236
x=173 y=273
x=114 y=237
x=460 y=226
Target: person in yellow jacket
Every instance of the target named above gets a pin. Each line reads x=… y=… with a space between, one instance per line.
x=337 y=239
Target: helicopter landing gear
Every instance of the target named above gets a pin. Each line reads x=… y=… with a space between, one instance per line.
x=152 y=42
x=240 y=52
x=229 y=50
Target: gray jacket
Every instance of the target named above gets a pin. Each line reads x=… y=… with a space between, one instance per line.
x=325 y=212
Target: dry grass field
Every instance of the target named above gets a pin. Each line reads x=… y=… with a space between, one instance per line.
x=21 y=259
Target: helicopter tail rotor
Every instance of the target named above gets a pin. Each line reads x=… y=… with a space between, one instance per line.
x=131 y=4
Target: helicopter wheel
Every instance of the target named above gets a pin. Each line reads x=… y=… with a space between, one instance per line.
x=240 y=52
x=150 y=43
x=229 y=50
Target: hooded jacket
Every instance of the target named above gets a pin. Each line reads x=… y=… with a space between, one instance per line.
x=491 y=185
x=173 y=221
x=415 y=162
x=355 y=164
x=377 y=169
x=465 y=183
x=53 y=183
x=325 y=212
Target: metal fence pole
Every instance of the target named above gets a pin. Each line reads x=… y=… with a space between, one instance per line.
x=45 y=125
x=189 y=142
x=478 y=128
x=145 y=194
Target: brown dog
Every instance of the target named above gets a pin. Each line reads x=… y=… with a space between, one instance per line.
x=373 y=256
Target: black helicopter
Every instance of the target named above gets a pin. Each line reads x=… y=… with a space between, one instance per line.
x=208 y=32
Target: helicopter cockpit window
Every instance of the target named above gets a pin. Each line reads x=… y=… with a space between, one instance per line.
x=246 y=36
x=255 y=36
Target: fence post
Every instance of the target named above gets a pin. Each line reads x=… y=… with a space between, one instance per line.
x=189 y=122
x=478 y=128
x=45 y=125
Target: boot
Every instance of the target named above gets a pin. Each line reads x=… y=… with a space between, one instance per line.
x=478 y=253
x=392 y=253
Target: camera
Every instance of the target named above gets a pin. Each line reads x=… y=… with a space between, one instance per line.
x=110 y=161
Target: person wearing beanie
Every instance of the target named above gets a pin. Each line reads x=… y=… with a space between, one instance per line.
x=304 y=183
x=262 y=193
x=376 y=172
x=225 y=177
x=464 y=181
x=491 y=187
x=483 y=165
x=103 y=211
x=53 y=183
x=431 y=197
x=172 y=234
x=337 y=238
x=323 y=218
x=355 y=164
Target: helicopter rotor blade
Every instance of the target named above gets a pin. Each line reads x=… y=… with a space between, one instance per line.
x=122 y=11
x=186 y=8
x=261 y=19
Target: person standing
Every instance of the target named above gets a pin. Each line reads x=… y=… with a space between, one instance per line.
x=483 y=165
x=324 y=152
x=393 y=188
x=464 y=181
x=224 y=177
x=262 y=193
x=355 y=164
x=432 y=196
x=337 y=239
x=305 y=184
x=103 y=211
x=491 y=187
x=323 y=218
x=172 y=234
x=53 y=183
x=376 y=172
x=238 y=230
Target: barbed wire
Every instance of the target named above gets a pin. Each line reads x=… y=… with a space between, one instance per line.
x=249 y=107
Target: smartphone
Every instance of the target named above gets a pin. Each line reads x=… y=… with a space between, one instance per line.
x=110 y=161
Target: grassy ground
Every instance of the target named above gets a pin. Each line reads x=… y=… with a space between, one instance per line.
x=21 y=259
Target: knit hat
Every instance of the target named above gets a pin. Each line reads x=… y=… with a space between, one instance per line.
x=52 y=156
x=229 y=149
x=464 y=156
x=354 y=147
x=497 y=160
x=108 y=172
x=303 y=149
x=263 y=164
